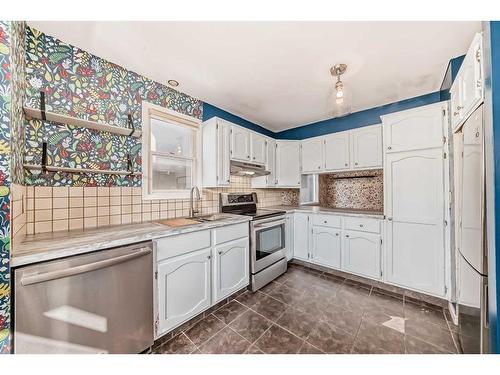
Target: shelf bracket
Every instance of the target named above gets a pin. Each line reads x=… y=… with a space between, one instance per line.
x=131 y=125
x=44 y=157
x=42 y=105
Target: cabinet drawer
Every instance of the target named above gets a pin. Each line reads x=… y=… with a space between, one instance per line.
x=169 y=247
x=230 y=232
x=327 y=220
x=362 y=224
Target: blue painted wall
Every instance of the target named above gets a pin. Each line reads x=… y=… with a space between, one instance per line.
x=210 y=111
x=492 y=132
x=451 y=72
x=357 y=119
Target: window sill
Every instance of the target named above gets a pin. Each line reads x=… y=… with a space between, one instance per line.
x=182 y=194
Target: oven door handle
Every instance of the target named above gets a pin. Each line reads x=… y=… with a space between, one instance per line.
x=269 y=224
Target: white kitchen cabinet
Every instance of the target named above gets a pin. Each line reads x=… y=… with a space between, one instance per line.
x=258 y=149
x=337 y=154
x=455 y=104
x=230 y=268
x=326 y=246
x=301 y=236
x=183 y=288
x=361 y=254
x=289 y=236
x=312 y=155
x=287 y=164
x=215 y=152
x=240 y=144
x=267 y=181
x=366 y=147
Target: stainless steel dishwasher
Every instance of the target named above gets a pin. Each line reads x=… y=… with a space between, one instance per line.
x=100 y=302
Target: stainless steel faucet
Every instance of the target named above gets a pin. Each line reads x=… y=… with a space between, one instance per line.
x=192 y=211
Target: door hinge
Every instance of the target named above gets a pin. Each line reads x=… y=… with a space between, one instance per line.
x=444 y=112
x=445 y=223
x=230 y=131
x=444 y=140
x=445 y=290
x=156 y=325
x=381 y=273
x=217 y=126
x=381 y=241
x=444 y=155
x=156 y=275
x=478 y=55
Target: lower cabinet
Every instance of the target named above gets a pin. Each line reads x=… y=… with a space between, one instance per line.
x=289 y=236
x=361 y=254
x=326 y=245
x=230 y=268
x=183 y=288
x=301 y=236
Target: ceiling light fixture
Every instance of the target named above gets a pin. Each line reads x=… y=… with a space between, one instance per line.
x=342 y=105
x=173 y=82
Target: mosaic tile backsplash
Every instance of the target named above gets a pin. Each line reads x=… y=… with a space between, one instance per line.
x=359 y=193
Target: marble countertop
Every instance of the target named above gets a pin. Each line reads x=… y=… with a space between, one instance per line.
x=329 y=210
x=49 y=246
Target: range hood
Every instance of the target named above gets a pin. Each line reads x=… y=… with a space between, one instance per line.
x=243 y=169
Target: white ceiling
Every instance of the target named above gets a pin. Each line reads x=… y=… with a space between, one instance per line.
x=276 y=74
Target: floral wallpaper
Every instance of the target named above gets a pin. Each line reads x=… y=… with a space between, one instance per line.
x=5 y=100
x=80 y=84
x=359 y=193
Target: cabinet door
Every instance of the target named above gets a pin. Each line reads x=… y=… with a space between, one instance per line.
x=259 y=148
x=361 y=254
x=240 y=144
x=230 y=268
x=326 y=246
x=289 y=236
x=270 y=179
x=455 y=103
x=414 y=129
x=183 y=288
x=223 y=148
x=312 y=155
x=337 y=156
x=366 y=147
x=471 y=89
x=301 y=236
x=414 y=205
x=287 y=164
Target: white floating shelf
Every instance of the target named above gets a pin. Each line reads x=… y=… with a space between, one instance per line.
x=80 y=170
x=69 y=120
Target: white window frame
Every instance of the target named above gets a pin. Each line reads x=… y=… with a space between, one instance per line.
x=149 y=111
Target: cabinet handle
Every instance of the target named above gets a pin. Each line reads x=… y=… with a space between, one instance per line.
x=325 y=222
x=253 y=158
x=361 y=225
x=346 y=164
x=389 y=148
x=248 y=156
x=337 y=234
x=347 y=235
x=319 y=166
x=389 y=218
x=455 y=113
x=209 y=257
x=220 y=252
x=356 y=163
x=459 y=107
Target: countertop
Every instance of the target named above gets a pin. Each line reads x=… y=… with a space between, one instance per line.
x=48 y=246
x=329 y=210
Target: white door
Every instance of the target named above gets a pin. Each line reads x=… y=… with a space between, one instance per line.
x=312 y=155
x=223 y=143
x=337 y=155
x=415 y=219
x=366 y=147
x=183 y=288
x=455 y=103
x=289 y=236
x=230 y=268
x=300 y=236
x=470 y=78
x=287 y=164
x=259 y=148
x=361 y=254
x=414 y=129
x=326 y=246
x=240 y=144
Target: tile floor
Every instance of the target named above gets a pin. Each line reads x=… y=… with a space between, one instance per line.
x=304 y=311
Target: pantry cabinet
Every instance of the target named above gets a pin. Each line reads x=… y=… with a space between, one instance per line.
x=337 y=152
x=258 y=149
x=240 y=144
x=287 y=164
x=361 y=254
x=230 y=268
x=366 y=147
x=326 y=246
x=183 y=288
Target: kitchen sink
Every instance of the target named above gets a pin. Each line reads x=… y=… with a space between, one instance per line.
x=208 y=218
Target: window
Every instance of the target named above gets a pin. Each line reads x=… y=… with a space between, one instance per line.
x=169 y=148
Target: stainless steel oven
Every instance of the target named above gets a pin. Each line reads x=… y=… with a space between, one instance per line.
x=267 y=242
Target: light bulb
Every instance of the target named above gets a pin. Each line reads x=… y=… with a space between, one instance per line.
x=340 y=94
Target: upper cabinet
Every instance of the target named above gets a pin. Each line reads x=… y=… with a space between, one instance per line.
x=258 y=149
x=216 y=135
x=269 y=180
x=467 y=91
x=288 y=164
x=240 y=144
x=347 y=150
x=366 y=147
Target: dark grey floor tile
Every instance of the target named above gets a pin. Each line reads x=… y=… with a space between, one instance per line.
x=424 y=312
x=386 y=303
x=390 y=319
x=336 y=279
x=358 y=286
x=271 y=308
x=180 y=344
x=204 y=329
x=307 y=348
x=347 y=320
x=286 y=295
x=351 y=300
x=230 y=311
x=278 y=341
x=297 y=322
x=381 y=336
x=253 y=350
x=330 y=339
x=225 y=342
x=416 y=346
x=250 y=325
x=431 y=333
x=366 y=347
x=269 y=287
x=250 y=298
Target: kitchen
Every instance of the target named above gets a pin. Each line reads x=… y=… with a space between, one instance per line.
x=141 y=219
